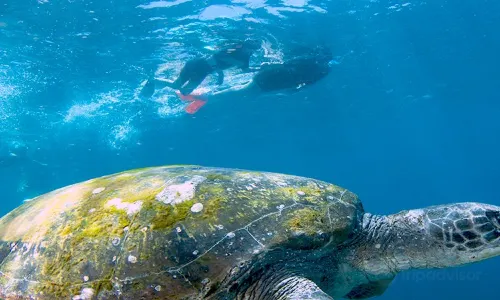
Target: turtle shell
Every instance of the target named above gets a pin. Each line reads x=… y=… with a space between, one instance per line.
x=163 y=232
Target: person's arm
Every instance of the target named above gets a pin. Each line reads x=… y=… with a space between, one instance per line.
x=246 y=65
x=220 y=78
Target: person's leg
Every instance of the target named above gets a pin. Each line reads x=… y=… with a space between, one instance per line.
x=195 y=79
x=189 y=72
x=192 y=72
x=192 y=84
x=153 y=84
x=183 y=75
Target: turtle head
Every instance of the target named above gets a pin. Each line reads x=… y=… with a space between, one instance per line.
x=433 y=237
x=469 y=232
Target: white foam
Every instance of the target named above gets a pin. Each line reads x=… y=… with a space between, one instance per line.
x=276 y=10
x=318 y=9
x=162 y=4
x=254 y=20
x=6 y=91
x=81 y=110
x=169 y=105
x=253 y=4
x=223 y=11
x=296 y=3
x=92 y=109
x=121 y=134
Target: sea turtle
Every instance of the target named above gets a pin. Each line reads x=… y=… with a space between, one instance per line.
x=190 y=232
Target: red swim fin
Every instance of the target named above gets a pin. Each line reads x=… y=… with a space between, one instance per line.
x=194 y=106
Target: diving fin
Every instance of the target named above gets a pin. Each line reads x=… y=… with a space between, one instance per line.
x=197 y=102
x=148 y=89
x=194 y=106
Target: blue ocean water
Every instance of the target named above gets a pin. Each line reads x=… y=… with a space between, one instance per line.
x=408 y=118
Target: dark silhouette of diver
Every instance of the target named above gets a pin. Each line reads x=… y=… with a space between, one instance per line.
x=289 y=76
x=196 y=70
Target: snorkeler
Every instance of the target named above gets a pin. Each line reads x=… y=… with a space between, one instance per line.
x=290 y=76
x=196 y=70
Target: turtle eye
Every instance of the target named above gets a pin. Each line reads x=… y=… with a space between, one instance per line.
x=494 y=217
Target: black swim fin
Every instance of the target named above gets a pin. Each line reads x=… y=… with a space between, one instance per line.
x=148 y=89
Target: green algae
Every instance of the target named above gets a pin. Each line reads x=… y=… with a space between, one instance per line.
x=106 y=221
x=94 y=219
x=252 y=173
x=85 y=231
x=66 y=290
x=102 y=285
x=60 y=270
x=307 y=220
x=217 y=177
x=166 y=216
x=213 y=197
x=101 y=223
x=213 y=206
x=60 y=291
x=57 y=265
x=209 y=189
x=144 y=256
x=309 y=193
x=3 y=279
x=163 y=216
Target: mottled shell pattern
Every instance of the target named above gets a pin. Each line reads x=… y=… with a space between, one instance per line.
x=163 y=232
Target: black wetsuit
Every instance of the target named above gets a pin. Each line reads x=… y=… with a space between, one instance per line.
x=235 y=56
x=291 y=74
x=196 y=70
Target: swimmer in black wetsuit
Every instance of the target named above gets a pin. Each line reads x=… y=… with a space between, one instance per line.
x=195 y=71
x=290 y=76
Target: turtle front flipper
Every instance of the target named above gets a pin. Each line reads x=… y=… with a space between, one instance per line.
x=287 y=288
x=370 y=289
